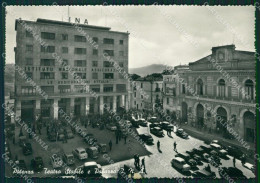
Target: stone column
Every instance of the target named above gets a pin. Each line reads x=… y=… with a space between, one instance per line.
x=101 y=102
x=55 y=109
x=18 y=108
x=122 y=100
x=114 y=103
x=72 y=105
x=87 y=105
x=37 y=107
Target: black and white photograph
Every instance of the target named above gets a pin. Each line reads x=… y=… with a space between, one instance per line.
x=130 y=92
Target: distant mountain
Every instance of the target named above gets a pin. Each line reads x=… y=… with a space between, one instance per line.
x=143 y=71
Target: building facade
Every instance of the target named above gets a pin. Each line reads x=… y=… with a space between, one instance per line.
x=74 y=66
x=220 y=86
x=150 y=94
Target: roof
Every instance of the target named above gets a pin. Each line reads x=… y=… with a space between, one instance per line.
x=179 y=159
x=55 y=22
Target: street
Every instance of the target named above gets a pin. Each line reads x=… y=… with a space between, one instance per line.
x=154 y=166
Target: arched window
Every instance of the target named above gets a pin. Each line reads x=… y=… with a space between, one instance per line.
x=249 y=88
x=200 y=87
x=222 y=87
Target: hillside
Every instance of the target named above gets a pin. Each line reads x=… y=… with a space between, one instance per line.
x=143 y=71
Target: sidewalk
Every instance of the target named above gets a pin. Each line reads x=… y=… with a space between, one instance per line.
x=207 y=137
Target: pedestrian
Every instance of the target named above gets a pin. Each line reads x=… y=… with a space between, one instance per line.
x=174 y=146
x=14 y=140
x=138 y=161
x=125 y=138
x=243 y=159
x=135 y=158
x=143 y=166
x=110 y=145
x=158 y=145
x=234 y=162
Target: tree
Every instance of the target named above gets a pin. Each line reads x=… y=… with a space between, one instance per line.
x=134 y=76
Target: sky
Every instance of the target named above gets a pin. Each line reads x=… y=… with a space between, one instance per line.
x=169 y=35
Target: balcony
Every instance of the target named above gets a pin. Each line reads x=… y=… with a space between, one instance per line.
x=157 y=90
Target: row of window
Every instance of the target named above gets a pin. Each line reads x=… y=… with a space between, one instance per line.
x=77 y=38
x=78 y=51
x=65 y=75
x=77 y=63
x=29 y=90
x=221 y=88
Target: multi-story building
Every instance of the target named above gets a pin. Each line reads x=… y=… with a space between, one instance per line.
x=99 y=83
x=150 y=93
x=220 y=86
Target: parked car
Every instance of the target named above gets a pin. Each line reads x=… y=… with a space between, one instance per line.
x=164 y=125
x=69 y=134
x=80 y=153
x=52 y=136
x=92 y=152
x=128 y=124
x=142 y=122
x=205 y=157
x=235 y=152
x=147 y=138
x=68 y=159
x=191 y=152
x=215 y=147
x=56 y=161
x=198 y=159
x=135 y=123
x=90 y=169
x=111 y=127
x=27 y=149
x=157 y=132
x=222 y=153
x=153 y=120
x=206 y=148
x=184 y=156
x=37 y=164
x=90 y=139
x=232 y=172
x=21 y=165
x=22 y=140
x=154 y=125
x=181 y=133
x=180 y=164
x=192 y=163
x=102 y=148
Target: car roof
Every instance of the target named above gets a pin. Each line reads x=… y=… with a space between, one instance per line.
x=80 y=149
x=215 y=145
x=158 y=128
x=92 y=148
x=179 y=159
x=90 y=163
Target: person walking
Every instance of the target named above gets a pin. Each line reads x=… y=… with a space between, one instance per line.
x=243 y=159
x=174 y=146
x=138 y=161
x=135 y=158
x=110 y=145
x=234 y=162
x=143 y=166
x=125 y=138
x=158 y=145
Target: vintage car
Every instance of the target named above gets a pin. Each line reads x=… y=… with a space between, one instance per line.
x=90 y=169
x=153 y=120
x=22 y=140
x=56 y=161
x=157 y=131
x=68 y=159
x=102 y=148
x=232 y=172
x=180 y=164
x=27 y=149
x=37 y=164
x=184 y=156
x=92 y=152
x=147 y=138
x=181 y=133
x=80 y=153
x=142 y=122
